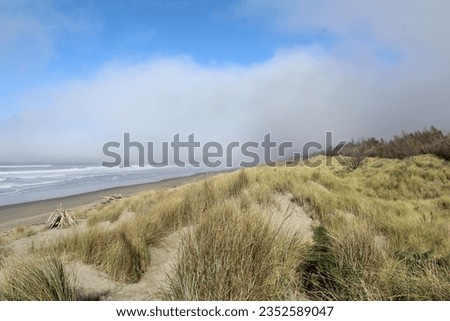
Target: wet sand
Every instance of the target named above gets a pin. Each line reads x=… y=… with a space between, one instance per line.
x=31 y=213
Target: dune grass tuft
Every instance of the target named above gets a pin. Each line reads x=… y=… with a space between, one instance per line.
x=235 y=254
x=110 y=212
x=118 y=253
x=37 y=279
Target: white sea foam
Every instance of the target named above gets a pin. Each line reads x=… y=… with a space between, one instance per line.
x=24 y=183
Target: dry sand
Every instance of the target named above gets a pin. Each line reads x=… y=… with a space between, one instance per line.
x=291 y=218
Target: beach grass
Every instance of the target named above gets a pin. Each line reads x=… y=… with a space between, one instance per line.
x=381 y=232
x=106 y=213
x=114 y=251
x=229 y=244
x=37 y=279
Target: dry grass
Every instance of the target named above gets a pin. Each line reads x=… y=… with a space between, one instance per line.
x=21 y=232
x=36 y=279
x=109 y=212
x=393 y=241
x=4 y=253
x=383 y=234
x=235 y=254
x=118 y=253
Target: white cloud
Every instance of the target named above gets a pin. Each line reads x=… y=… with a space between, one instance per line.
x=415 y=25
x=297 y=95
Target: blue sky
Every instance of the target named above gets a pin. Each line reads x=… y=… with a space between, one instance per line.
x=225 y=69
x=81 y=36
x=210 y=32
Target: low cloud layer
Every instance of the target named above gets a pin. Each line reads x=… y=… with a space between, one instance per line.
x=295 y=95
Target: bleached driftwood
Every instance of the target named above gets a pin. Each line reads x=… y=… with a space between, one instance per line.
x=111 y=199
x=59 y=219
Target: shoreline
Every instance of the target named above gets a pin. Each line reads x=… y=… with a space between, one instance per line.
x=37 y=212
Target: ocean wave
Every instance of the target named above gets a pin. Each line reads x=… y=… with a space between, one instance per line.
x=47 y=172
x=66 y=171
x=13 y=185
x=4 y=193
x=25 y=166
x=72 y=181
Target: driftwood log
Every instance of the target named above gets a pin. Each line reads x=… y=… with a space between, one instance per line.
x=59 y=219
x=111 y=199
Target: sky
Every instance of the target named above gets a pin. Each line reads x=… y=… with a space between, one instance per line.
x=77 y=74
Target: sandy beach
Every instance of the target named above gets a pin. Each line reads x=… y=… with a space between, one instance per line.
x=32 y=213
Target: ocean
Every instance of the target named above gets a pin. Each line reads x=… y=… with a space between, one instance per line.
x=27 y=183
